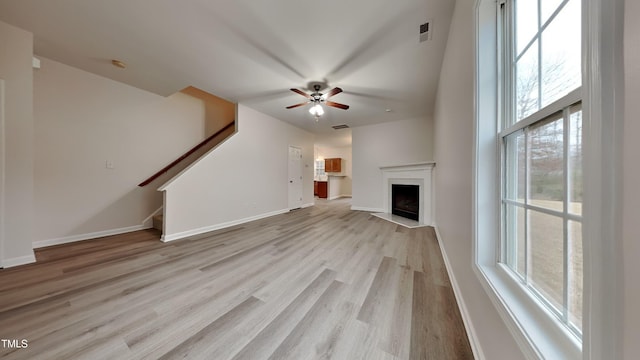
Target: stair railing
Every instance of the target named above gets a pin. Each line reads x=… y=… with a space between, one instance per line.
x=185 y=155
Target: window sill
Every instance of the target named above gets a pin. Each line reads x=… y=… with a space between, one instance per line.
x=538 y=333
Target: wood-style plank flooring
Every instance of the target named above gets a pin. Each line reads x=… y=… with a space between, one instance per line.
x=323 y=282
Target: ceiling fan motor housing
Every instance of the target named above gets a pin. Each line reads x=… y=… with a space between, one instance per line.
x=317 y=86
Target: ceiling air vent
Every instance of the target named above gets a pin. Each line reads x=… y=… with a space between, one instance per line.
x=338 y=127
x=425 y=32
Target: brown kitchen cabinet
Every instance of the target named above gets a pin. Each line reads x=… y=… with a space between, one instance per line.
x=333 y=165
x=320 y=189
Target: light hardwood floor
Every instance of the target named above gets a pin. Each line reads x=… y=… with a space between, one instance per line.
x=323 y=282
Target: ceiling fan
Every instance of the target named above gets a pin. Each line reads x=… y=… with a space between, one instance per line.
x=318 y=98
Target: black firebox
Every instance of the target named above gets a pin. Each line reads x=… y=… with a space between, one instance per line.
x=405 y=201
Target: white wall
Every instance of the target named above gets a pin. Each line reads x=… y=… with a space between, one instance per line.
x=83 y=120
x=395 y=143
x=16 y=52
x=631 y=231
x=454 y=120
x=339 y=186
x=218 y=112
x=246 y=177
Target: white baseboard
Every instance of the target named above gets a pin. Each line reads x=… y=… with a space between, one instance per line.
x=360 y=208
x=466 y=318
x=205 y=229
x=339 y=197
x=93 y=235
x=22 y=260
x=307 y=205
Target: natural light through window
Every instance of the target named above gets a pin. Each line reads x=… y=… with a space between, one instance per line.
x=541 y=141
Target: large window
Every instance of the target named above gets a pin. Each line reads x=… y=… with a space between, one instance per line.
x=541 y=158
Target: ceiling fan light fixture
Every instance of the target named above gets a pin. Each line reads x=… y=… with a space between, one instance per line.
x=316 y=110
x=316 y=98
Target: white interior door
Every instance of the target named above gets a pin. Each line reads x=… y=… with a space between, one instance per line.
x=295 y=177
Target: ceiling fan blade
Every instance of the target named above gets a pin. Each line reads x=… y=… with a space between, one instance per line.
x=297 y=105
x=334 y=91
x=337 y=105
x=301 y=93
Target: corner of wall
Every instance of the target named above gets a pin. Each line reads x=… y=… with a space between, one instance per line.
x=16 y=58
x=466 y=317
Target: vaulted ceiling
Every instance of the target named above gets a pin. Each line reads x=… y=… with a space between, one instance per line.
x=252 y=52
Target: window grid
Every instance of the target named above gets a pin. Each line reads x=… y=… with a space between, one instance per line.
x=566 y=114
x=513 y=57
x=511 y=126
x=541 y=28
x=508 y=229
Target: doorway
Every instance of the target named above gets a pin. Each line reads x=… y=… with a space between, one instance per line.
x=295 y=177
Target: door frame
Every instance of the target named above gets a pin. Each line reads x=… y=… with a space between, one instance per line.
x=298 y=204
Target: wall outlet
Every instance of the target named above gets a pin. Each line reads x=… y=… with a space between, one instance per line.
x=109 y=164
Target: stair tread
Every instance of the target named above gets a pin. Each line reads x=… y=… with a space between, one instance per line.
x=158 y=221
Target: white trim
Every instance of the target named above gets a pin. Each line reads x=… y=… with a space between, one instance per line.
x=603 y=121
x=164 y=213
x=544 y=210
x=176 y=177
x=536 y=334
x=22 y=260
x=490 y=282
x=466 y=318
x=367 y=209
x=148 y=221
x=410 y=166
x=568 y=100
x=35 y=63
x=420 y=174
x=602 y=89
x=307 y=205
x=339 y=197
x=292 y=185
x=209 y=228
x=88 y=236
x=399 y=220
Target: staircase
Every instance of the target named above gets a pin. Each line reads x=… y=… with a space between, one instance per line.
x=158 y=221
x=219 y=122
x=184 y=161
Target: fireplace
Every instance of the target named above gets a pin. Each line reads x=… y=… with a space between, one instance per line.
x=414 y=206
x=405 y=201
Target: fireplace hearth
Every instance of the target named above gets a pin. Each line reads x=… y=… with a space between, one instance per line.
x=405 y=201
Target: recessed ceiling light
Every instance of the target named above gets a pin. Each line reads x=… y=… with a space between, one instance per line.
x=387 y=110
x=118 y=63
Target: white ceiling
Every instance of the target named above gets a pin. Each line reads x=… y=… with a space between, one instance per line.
x=252 y=52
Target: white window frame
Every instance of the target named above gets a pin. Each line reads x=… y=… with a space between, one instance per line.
x=563 y=106
x=537 y=334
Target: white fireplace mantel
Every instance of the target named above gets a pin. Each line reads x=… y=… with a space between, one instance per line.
x=409 y=167
x=410 y=174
